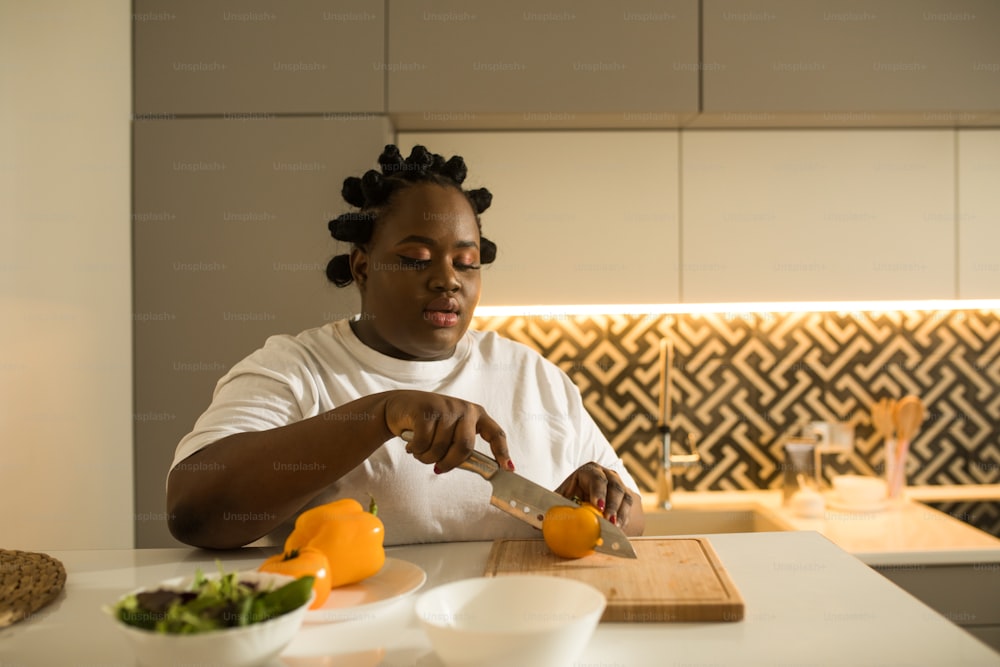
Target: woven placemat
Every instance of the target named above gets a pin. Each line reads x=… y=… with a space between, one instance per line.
x=28 y=582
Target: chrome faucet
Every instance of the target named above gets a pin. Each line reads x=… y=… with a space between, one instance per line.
x=668 y=461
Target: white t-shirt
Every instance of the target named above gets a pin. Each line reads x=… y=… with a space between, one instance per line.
x=549 y=433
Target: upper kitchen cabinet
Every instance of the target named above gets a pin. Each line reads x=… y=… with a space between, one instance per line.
x=481 y=64
x=818 y=215
x=978 y=214
x=308 y=56
x=841 y=62
x=230 y=245
x=578 y=217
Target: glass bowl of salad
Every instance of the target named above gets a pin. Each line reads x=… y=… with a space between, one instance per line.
x=236 y=619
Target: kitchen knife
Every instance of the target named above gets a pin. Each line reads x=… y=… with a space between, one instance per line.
x=527 y=501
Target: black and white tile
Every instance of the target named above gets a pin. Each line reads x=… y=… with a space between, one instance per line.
x=744 y=381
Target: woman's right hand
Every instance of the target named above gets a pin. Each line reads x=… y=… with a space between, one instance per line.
x=444 y=428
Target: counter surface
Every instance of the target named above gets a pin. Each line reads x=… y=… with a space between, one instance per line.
x=908 y=533
x=808 y=602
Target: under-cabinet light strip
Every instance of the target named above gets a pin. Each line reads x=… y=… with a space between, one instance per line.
x=737 y=308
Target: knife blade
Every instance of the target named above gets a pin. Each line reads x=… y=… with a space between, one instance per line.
x=528 y=501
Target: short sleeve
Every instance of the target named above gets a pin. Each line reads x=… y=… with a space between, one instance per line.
x=256 y=395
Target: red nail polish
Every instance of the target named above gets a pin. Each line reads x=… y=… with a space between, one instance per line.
x=510 y=465
x=613 y=520
x=600 y=504
x=437 y=471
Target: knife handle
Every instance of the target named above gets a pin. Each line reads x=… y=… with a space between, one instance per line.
x=477 y=462
x=480 y=464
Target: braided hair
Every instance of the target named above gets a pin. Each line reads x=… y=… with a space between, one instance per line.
x=373 y=192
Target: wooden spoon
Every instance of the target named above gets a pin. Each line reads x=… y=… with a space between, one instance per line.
x=909 y=414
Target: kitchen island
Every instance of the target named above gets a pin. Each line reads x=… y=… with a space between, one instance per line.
x=944 y=562
x=808 y=602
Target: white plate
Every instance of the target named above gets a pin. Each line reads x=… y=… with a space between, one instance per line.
x=835 y=503
x=396 y=580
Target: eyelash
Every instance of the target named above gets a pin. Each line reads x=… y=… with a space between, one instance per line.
x=423 y=263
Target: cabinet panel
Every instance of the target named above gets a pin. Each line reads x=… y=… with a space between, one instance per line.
x=964 y=594
x=230 y=246
x=884 y=56
x=806 y=215
x=579 y=218
x=978 y=214
x=539 y=58
x=308 y=56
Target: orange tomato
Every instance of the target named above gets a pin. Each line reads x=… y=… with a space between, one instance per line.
x=307 y=561
x=572 y=532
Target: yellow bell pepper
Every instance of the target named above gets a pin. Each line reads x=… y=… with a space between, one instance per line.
x=351 y=538
x=309 y=561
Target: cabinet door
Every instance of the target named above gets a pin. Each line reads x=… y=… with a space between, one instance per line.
x=579 y=218
x=808 y=215
x=978 y=214
x=230 y=245
x=265 y=57
x=964 y=594
x=884 y=56
x=536 y=59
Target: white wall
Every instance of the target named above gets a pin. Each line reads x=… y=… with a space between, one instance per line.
x=65 y=275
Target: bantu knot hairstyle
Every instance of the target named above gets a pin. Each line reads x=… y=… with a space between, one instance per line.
x=372 y=194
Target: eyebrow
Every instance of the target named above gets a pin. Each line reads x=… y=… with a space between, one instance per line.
x=426 y=240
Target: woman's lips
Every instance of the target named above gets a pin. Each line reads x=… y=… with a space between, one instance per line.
x=441 y=318
x=442 y=312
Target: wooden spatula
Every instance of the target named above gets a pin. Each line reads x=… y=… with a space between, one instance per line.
x=884 y=421
x=908 y=416
x=884 y=417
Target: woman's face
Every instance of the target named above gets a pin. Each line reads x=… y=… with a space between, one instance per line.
x=419 y=278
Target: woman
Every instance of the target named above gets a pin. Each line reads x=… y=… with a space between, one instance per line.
x=314 y=417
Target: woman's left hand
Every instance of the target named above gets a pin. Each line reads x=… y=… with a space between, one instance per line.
x=603 y=488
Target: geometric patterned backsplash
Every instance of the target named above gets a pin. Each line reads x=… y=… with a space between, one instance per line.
x=742 y=382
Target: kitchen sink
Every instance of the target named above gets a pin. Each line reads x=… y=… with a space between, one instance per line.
x=709 y=520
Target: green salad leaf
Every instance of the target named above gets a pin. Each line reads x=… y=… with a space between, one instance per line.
x=211 y=604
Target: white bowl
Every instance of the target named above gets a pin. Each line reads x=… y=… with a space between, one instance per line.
x=808 y=504
x=246 y=646
x=859 y=490
x=526 y=620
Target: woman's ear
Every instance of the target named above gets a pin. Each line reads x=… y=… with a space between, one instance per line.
x=359 y=267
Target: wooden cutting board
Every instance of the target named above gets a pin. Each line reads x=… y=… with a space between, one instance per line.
x=672 y=580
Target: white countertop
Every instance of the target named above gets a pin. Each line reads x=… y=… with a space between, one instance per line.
x=807 y=603
x=956 y=492
x=908 y=533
